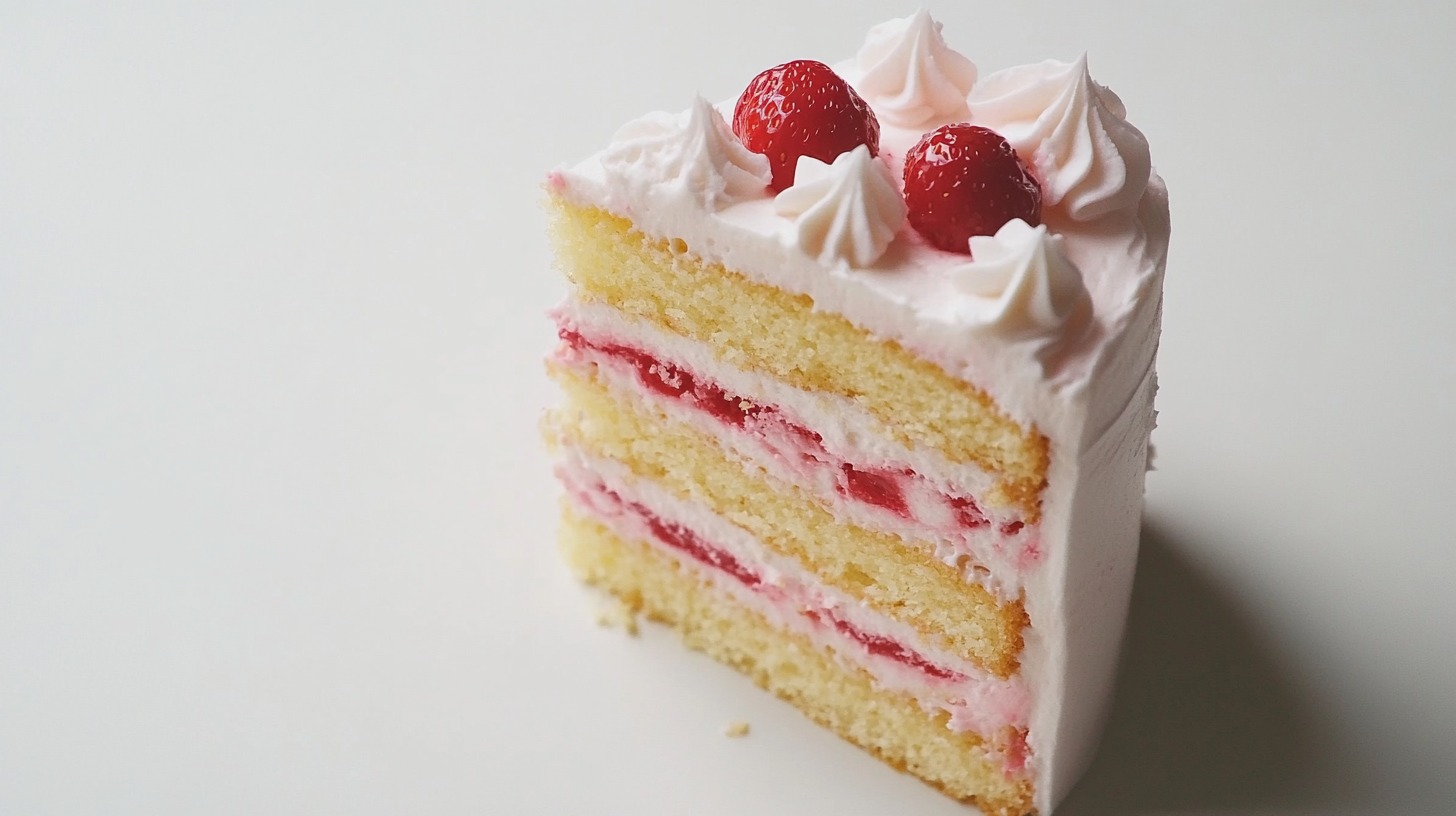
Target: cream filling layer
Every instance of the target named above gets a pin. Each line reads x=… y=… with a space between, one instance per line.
x=824 y=444
x=735 y=562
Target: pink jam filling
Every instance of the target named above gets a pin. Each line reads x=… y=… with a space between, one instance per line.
x=883 y=646
x=678 y=383
x=680 y=538
x=1014 y=751
x=878 y=487
x=883 y=488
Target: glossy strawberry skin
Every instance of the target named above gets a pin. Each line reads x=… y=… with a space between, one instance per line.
x=963 y=180
x=802 y=108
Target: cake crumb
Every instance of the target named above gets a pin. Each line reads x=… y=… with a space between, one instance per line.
x=737 y=728
x=614 y=614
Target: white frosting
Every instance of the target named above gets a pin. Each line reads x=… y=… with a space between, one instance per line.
x=1089 y=392
x=1090 y=161
x=1020 y=284
x=694 y=151
x=845 y=213
x=909 y=75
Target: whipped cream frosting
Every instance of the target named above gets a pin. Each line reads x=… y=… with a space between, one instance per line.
x=844 y=213
x=1089 y=160
x=909 y=75
x=1106 y=216
x=694 y=151
x=1020 y=283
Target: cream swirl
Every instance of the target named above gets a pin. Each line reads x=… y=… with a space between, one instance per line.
x=1091 y=162
x=910 y=76
x=846 y=212
x=694 y=150
x=1020 y=284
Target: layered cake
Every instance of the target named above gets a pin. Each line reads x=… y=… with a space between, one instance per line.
x=858 y=374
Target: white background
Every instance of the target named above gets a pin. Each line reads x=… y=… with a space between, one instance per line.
x=276 y=533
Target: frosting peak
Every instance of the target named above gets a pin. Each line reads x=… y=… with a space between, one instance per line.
x=1021 y=284
x=1074 y=131
x=694 y=150
x=910 y=76
x=847 y=212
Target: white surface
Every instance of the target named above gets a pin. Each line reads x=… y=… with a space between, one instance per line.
x=275 y=533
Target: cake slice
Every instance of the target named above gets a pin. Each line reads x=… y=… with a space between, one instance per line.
x=858 y=392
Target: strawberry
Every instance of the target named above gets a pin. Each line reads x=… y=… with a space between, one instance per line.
x=963 y=180
x=802 y=108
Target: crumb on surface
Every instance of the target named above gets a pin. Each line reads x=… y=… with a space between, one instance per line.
x=615 y=614
x=737 y=728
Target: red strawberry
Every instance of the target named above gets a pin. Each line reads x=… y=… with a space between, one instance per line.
x=802 y=108
x=963 y=180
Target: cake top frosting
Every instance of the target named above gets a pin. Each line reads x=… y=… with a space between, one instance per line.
x=836 y=229
x=1091 y=161
x=845 y=213
x=1021 y=284
x=910 y=76
x=693 y=152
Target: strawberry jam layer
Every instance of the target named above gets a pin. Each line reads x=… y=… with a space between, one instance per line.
x=684 y=540
x=897 y=496
x=882 y=646
x=677 y=383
